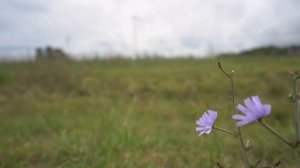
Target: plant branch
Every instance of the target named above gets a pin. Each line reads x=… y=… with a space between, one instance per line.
x=225 y=130
x=275 y=133
x=233 y=103
x=297 y=111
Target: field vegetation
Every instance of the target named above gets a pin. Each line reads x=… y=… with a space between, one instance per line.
x=139 y=113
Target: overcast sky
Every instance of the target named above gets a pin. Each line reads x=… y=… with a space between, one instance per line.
x=169 y=27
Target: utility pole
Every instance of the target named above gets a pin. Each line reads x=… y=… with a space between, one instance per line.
x=135 y=20
x=67 y=43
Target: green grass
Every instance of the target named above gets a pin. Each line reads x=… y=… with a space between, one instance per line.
x=142 y=113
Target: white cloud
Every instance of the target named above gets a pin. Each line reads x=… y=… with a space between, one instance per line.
x=169 y=27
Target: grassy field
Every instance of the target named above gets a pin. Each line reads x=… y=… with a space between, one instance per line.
x=142 y=113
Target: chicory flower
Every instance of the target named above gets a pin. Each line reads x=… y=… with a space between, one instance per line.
x=253 y=111
x=206 y=122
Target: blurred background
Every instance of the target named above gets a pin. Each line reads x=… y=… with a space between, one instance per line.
x=120 y=83
x=170 y=28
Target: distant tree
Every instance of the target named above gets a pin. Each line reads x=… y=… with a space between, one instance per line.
x=50 y=53
x=39 y=52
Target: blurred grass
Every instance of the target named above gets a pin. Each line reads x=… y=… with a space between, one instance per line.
x=138 y=113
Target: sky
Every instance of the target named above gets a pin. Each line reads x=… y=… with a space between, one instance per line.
x=129 y=27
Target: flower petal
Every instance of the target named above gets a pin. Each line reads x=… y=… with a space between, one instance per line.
x=248 y=103
x=256 y=100
x=200 y=129
x=242 y=109
x=266 y=109
x=238 y=117
x=242 y=123
x=203 y=131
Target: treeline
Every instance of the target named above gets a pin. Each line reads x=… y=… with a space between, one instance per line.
x=51 y=53
x=268 y=51
x=273 y=51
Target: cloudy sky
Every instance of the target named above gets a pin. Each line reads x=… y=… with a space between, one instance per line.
x=169 y=27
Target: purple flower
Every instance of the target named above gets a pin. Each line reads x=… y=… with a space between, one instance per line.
x=253 y=111
x=206 y=122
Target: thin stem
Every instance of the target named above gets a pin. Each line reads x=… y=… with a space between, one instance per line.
x=297 y=111
x=243 y=146
x=275 y=133
x=233 y=103
x=227 y=131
